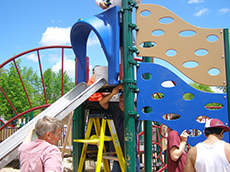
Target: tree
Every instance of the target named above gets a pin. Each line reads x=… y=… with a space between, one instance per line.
x=12 y=86
x=224 y=89
x=14 y=90
x=205 y=88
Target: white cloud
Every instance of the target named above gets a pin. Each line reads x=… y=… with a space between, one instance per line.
x=53 y=58
x=195 y=1
x=55 y=36
x=216 y=90
x=90 y=67
x=224 y=10
x=168 y=84
x=69 y=67
x=32 y=57
x=93 y=40
x=201 y=12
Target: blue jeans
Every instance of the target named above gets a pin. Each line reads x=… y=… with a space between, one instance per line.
x=116 y=166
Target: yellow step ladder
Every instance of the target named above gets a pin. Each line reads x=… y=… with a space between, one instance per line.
x=98 y=139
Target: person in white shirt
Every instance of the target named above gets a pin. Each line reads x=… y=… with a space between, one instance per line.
x=213 y=154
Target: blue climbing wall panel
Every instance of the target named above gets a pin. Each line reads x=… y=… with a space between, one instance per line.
x=106 y=27
x=174 y=103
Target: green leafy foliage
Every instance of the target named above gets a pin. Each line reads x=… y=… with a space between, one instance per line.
x=11 y=85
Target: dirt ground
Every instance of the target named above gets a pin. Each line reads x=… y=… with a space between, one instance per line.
x=67 y=163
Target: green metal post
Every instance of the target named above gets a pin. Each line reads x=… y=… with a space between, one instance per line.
x=148 y=124
x=141 y=139
x=27 y=118
x=15 y=121
x=128 y=83
x=148 y=144
x=31 y=115
x=227 y=62
x=78 y=133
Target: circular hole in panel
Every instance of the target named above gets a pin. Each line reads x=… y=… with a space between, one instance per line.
x=166 y=20
x=145 y=13
x=171 y=116
x=212 y=38
x=171 y=52
x=213 y=106
x=168 y=84
x=188 y=96
x=214 y=71
x=147 y=76
x=148 y=44
x=147 y=109
x=202 y=119
x=158 y=32
x=158 y=96
x=194 y=132
x=201 y=52
x=187 y=33
x=190 y=64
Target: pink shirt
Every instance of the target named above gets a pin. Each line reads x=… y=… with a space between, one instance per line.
x=39 y=156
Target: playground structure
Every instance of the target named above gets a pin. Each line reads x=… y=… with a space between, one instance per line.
x=185 y=48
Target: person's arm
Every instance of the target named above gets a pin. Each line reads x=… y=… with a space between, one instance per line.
x=28 y=137
x=176 y=152
x=190 y=160
x=105 y=100
x=227 y=151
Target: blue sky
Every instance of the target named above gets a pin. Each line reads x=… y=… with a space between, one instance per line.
x=28 y=24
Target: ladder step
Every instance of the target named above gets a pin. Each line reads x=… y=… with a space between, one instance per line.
x=94 y=139
x=110 y=157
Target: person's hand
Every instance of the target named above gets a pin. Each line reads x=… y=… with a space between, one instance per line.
x=32 y=129
x=120 y=87
x=184 y=136
x=103 y=5
x=117 y=89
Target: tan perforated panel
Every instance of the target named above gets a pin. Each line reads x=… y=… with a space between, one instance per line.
x=184 y=46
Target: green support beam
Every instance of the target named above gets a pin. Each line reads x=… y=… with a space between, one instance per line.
x=227 y=63
x=148 y=124
x=128 y=83
x=78 y=133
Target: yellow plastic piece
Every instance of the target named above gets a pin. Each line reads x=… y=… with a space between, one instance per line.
x=98 y=140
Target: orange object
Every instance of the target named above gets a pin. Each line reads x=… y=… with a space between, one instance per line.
x=95 y=96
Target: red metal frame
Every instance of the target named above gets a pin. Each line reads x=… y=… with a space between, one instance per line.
x=43 y=84
x=159 y=156
x=23 y=113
